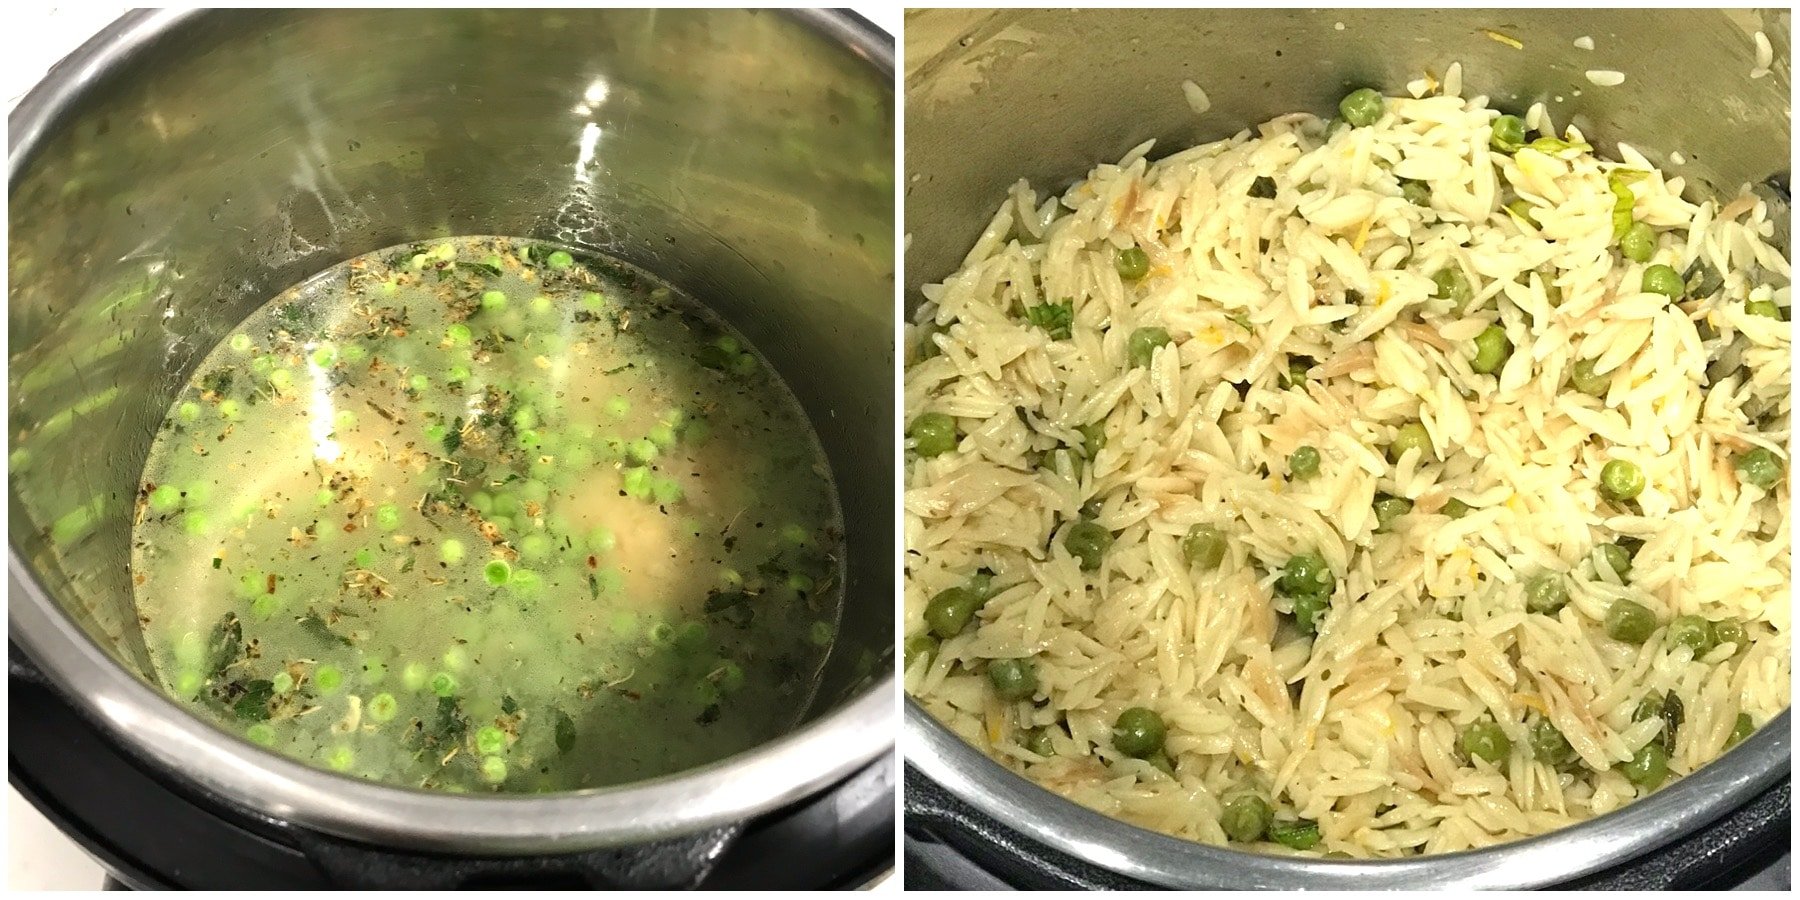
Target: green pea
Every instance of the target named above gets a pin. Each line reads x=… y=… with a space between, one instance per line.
x=497 y=572
x=261 y=733
x=1418 y=193
x=602 y=539
x=414 y=676
x=933 y=434
x=1454 y=286
x=1300 y=834
x=490 y=740
x=328 y=679
x=265 y=606
x=1162 y=763
x=1629 y=621
x=282 y=682
x=324 y=356
x=381 y=707
x=1584 y=379
x=165 y=499
x=1139 y=732
x=1306 y=573
x=481 y=502
x=451 y=551
x=1088 y=542
x=1037 y=740
x=1660 y=279
x=1141 y=346
x=1246 y=818
x=1616 y=558
x=662 y=435
x=1132 y=263
x=1639 y=243
x=1093 y=438
x=229 y=410
x=661 y=634
x=821 y=633
x=387 y=515
x=1485 y=740
x=1492 y=350
x=443 y=684
x=1692 y=632
x=1303 y=463
x=240 y=343
x=1545 y=593
x=1307 y=610
x=728 y=675
x=1362 y=107
x=1013 y=679
x=1621 y=480
x=493 y=768
x=1648 y=768
x=1549 y=746
x=1204 y=546
x=535 y=547
x=525 y=583
x=636 y=481
x=340 y=759
x=666 y=491
x=1411 y=436
x=920 y=646
x=950 y=611
x=1508 y=134
x=1742 y=728
x=1728 y=631
x=1455 y=508
x=643 y=450
x=1298 y=367
x=1759 y=466
x=560 y=259
x=1389 y=509
x=188 y=412
x=1765 y=308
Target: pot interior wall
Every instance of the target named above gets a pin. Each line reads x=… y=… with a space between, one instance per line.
x=993 y=96
x=742 y=156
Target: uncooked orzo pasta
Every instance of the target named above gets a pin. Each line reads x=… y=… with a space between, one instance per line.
x=1403 y=483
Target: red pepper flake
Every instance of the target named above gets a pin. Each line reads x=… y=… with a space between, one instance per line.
x=593 y=561
x=271 y=582
x=349 y=527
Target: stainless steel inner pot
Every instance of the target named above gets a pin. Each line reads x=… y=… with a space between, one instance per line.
x=183 y=167
x=992 y=96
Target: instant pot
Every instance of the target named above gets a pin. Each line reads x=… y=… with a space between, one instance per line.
x=183 y=167
x=993 y=96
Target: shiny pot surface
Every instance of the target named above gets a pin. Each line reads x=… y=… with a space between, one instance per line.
x=184 y=167
x=993 y=96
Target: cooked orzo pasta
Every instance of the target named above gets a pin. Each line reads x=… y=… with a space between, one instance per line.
x=1403 y=483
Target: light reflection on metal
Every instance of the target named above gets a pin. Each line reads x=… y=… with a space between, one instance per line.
x=320 y=414
x=584 y=158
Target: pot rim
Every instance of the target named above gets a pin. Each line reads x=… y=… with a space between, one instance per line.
x=1115 y=845
x=183 y=747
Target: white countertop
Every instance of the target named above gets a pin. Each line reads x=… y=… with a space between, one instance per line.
x=38 y=856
